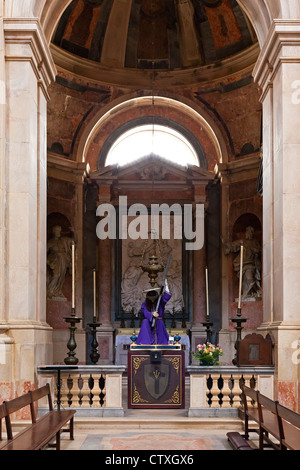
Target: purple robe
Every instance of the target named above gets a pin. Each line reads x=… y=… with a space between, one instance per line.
x=158 y=334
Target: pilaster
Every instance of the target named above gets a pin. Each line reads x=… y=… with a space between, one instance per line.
x=28 y=70
x=277 y=72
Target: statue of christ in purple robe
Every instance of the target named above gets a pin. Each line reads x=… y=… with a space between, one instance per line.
x=157 y=334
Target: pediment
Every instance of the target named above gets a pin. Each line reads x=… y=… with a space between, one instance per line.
x=152 y=168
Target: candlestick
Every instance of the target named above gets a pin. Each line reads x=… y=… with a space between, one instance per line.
x=95 y=302
x=207 y=299
x=71 y=358
x=241 y=275
x=73 y=275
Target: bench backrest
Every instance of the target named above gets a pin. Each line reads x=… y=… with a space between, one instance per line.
x=18 y=403
x=289 y=423
x=288 y=415
x=36 y=395
x=267 y=403
x=250 y=393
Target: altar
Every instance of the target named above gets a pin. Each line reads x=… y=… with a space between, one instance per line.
x=123 y=341
x=156 y=376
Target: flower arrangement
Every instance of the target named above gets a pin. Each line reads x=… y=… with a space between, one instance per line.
x=208 y=354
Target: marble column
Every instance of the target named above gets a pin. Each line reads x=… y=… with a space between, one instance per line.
x=198 y=332
x=277 y=72
x=105 y=331
x=2 y=166
x=29 y=70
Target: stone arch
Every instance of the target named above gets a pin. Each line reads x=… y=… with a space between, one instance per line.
x=262 y=13
x=191 y=138
x=124 y=103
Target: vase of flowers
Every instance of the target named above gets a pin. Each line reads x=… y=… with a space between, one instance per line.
x=208 y=354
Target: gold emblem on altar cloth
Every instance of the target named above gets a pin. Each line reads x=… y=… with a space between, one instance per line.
x=156 y=378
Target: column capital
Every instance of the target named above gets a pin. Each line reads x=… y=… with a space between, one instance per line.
x=66 y=170
x=237 y=171
x=281 y=46
x=25 y=41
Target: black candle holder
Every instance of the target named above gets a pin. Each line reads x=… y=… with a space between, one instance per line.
x=239 y=320
x=122 y=324
x=173 y=319
x=208 y=324
x=94 y=354
x=71 y=359
x=183 y=324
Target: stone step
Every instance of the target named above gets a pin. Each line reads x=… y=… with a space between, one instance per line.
x=162 y=421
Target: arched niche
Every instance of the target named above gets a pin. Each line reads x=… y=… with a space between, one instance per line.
x=243 y=221
x=59 y=306
x=245 y=229
x=57 y=218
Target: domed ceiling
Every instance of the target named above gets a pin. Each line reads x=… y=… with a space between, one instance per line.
x=164 y=35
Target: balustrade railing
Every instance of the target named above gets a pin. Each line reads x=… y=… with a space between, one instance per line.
x=219 y=388
x=98 y=391
x=86 y=388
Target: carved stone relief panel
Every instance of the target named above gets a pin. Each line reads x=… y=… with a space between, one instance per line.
x=135 y=281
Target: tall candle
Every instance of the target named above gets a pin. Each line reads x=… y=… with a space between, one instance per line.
x=95 y=304
x=241 y=275
x=73 y=275
x=207 y=299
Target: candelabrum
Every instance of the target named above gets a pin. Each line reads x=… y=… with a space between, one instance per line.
x=238 y=320
x=173 y=322
x=183 y=325
x=71 y=359
x=94 y=354
x=208 y=324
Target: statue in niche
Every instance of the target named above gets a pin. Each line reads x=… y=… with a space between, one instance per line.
x=251 y=281
x=59 y=261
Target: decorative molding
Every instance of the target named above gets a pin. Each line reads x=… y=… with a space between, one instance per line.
x=283 y=34
x=131 y=78
x=66 y=170
x=241 y=170
x=25 y=41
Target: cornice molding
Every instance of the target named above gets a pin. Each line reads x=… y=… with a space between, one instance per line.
x=66 y=170
x=279 y=48
x=25 y=41
x=133 y=78
x=239 y=170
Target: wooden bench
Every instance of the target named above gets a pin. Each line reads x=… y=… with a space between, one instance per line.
x=3 y=413
x=262 y=411
x=269 y=423
x=249 y=411
x=289 y=425
x=42 y=430
x=277 y=426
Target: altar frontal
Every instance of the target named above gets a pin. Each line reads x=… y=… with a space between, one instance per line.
x=156 y=377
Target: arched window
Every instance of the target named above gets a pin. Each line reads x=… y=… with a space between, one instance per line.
x=144 y=140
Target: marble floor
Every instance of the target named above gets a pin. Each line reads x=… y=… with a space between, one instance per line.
x=152 y=430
